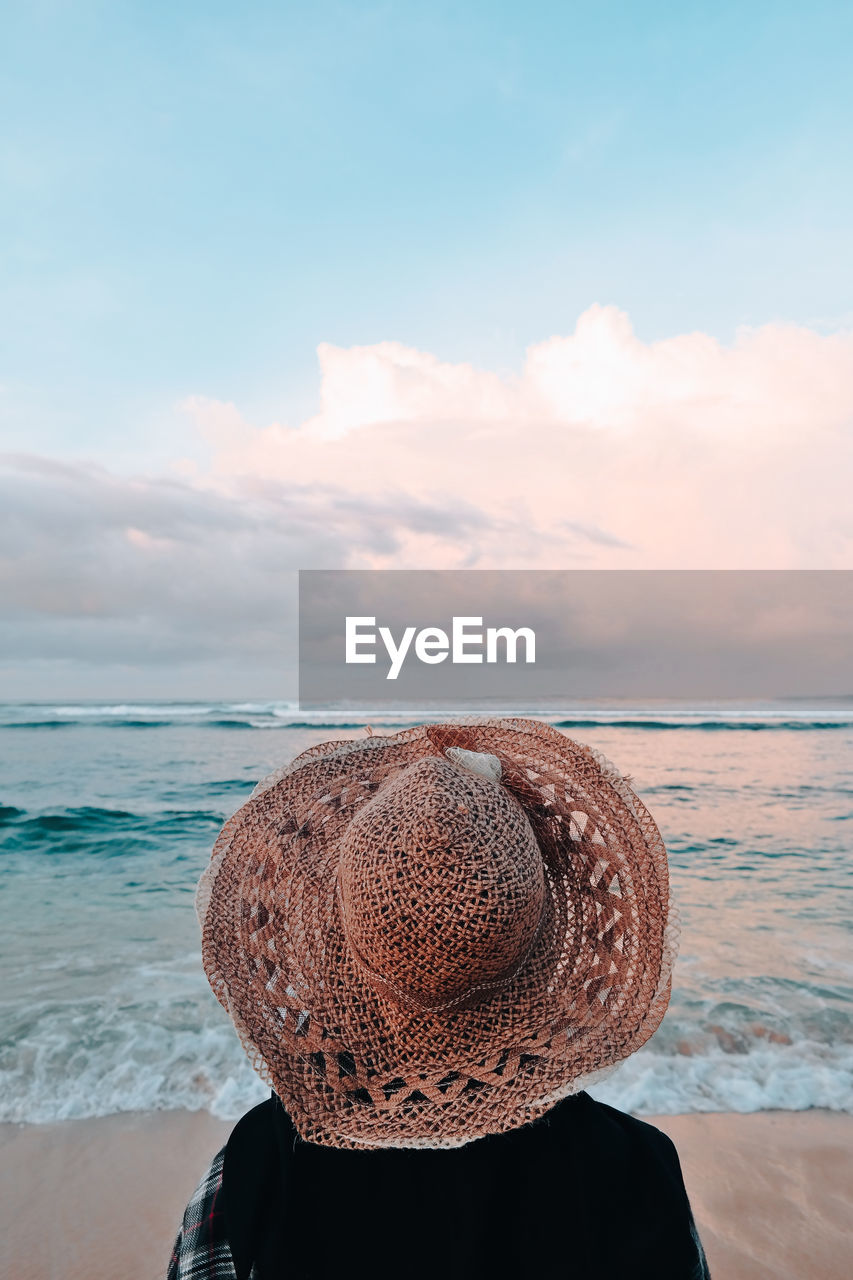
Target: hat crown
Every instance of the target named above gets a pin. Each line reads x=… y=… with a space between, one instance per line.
x=442 y=886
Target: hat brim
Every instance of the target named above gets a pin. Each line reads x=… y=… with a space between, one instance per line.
x=356 y=1069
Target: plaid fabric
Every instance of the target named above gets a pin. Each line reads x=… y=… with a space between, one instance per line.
x=201 y=1250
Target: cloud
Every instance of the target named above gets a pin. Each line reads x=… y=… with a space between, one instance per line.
x=78 y=542
x=602 y=452
x=157 y=572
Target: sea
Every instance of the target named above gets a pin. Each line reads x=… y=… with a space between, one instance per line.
x=108 y=813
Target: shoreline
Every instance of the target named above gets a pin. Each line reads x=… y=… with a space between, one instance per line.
x=772 y=1192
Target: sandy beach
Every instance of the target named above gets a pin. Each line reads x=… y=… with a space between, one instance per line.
x=100 y=1199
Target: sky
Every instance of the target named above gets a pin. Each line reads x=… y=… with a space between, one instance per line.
x=402 y=285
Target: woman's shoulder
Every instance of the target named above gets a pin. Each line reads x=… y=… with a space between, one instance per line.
x=623 y=1149
x=583 y=1112
x=642 y=1131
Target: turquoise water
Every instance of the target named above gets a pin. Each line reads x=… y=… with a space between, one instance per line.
x=108 y=813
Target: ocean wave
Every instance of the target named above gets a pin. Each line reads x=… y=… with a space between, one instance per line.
x=323 y=725
x=37 y=724
x=22 y=827
x=123 y=1063
x=89 y=1060
x=79 y=711
x=727 y=724
x=766 y=1077
x=277 y=723
x=111 y=723
x=695 y=717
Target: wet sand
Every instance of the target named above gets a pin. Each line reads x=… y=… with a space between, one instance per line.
x=101 y=1199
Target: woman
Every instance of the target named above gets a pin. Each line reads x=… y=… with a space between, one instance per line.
x=430 y=943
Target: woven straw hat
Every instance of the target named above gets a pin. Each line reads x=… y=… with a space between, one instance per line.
x=426 y=937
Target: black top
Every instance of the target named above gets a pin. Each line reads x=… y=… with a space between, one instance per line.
x=585 y=1192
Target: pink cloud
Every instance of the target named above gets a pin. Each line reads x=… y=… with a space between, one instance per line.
x=604 y=451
